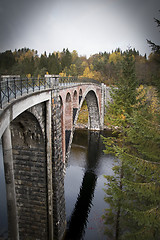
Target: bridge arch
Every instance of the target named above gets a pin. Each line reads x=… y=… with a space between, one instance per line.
x=20 y=105
x=75 y=104
x=68 y=112
x=93 y=105
x=80 y=95
x=93 y=110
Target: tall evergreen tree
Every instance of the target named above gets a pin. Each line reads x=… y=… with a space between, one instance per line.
x=155 y=47
x=66 y=59
x=156 y=58
x=133 y=191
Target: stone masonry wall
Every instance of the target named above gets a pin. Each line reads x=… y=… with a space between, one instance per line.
x=29 y=159
x=59 y=217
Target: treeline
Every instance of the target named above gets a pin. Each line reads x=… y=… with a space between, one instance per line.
x=104 y=67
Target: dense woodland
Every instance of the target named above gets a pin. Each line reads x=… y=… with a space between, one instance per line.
x=104 y=67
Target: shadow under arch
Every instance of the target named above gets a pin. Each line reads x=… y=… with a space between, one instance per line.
x=30 y=176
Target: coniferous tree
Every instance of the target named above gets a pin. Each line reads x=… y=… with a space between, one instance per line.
x=155 y=47
x=133 y=191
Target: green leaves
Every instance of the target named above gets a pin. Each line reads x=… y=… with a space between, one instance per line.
x=134 y=191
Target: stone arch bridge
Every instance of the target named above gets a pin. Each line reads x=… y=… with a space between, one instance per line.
x=37 y=121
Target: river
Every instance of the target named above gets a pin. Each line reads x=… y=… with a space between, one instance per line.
x=84 y=183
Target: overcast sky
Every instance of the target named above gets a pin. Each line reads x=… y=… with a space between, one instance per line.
x=88 y=26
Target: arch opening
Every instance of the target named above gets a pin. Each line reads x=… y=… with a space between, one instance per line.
x=80 y=95
x=93 y=110
x=75 y=105
x=68 y=97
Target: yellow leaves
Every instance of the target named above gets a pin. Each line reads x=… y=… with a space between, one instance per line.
x=142 y=91
x=152 y=96
x=88 y=73
x=115 y=57
x=84 y=64
x=28 y=76
x=122 y=117
x=27 y=55
x=74 y=55
x=83 y=115
x=62 y=74
x=73 y=70
x=141 y=95
x=149 y=95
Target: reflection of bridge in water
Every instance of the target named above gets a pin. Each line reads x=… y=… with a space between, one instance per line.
x=78 y=220
x=37 y=119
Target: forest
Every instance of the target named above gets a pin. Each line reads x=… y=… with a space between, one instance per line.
x=104 y=67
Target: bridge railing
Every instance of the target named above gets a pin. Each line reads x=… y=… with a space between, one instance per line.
x=12 y=88
x=63 y=80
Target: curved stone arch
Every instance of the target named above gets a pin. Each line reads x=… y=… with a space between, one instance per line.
x=93 y=108
x=68 y=111
x=75 y=104
x=19 y=106
x=68 y=119
x=68 y=97
x=27 y=129
x=75 y=96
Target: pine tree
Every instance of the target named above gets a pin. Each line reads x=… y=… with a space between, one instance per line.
x=155 y=47
x=124 y=94
x=133 y=191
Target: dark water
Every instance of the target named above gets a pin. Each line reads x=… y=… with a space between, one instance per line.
x=84 y=183
x=3 y=206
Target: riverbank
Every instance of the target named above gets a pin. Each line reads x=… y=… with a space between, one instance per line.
x=83 y=126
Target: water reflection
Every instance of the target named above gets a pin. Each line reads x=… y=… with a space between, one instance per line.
x=78 y=220
x=78 y=225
